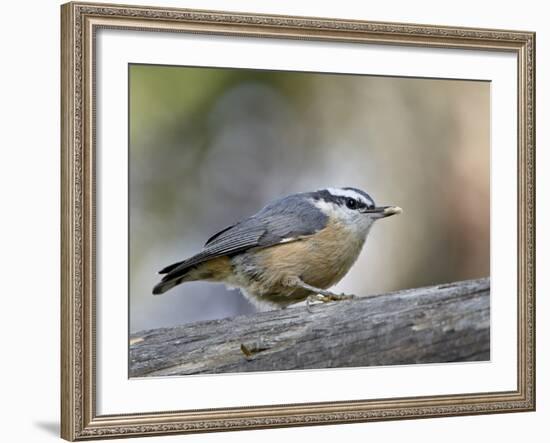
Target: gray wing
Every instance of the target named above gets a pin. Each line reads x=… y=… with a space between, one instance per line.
x=284 y=220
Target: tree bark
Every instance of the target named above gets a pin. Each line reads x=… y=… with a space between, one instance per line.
x=443 y=323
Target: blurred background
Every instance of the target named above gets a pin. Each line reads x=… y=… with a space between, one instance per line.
x=211 y=146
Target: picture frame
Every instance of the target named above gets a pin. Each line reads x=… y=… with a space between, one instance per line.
x=81 y=22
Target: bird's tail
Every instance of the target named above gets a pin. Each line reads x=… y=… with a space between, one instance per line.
x=172 y=279
x=163 y=286
x=216 y=269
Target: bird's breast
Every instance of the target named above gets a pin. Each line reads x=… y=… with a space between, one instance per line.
x=320 y=260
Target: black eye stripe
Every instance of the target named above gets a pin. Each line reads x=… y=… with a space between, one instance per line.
x=351 y=203
x=341 y=199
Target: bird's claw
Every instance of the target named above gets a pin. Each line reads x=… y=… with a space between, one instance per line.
x=343 y=296
x=326 y=298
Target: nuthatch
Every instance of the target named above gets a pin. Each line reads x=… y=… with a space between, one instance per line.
x=294 y=248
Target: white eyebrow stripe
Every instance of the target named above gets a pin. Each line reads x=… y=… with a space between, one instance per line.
x=338 y=192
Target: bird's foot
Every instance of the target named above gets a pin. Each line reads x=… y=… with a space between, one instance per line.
x=338 y=297
x=325 y=298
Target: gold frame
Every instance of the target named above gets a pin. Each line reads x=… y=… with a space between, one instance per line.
x=79 y=22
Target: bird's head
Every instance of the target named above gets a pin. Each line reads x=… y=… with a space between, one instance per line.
x=352 y=208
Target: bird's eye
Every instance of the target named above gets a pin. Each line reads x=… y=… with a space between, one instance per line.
x=351 y=203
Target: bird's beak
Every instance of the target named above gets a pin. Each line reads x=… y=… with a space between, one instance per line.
x=384 y=211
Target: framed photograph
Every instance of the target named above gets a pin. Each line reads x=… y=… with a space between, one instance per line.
x=282 y=221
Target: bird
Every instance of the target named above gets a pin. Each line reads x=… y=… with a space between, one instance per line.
x=292 y=250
